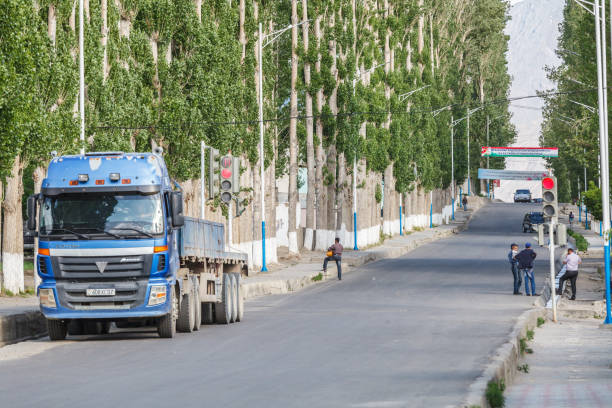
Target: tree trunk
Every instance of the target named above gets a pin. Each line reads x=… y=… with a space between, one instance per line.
x=293 y=142
x=52 y=23
x=242 y=35
x=421 y=39
x=332 y=164
x=257 y=245
x=320 y=193
x=310 y=160
x=38 y=175
x=12 y=251
x=198 y=7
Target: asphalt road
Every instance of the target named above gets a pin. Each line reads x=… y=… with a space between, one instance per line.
x=413 y=331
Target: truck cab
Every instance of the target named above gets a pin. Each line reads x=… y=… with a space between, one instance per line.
x=110 y=229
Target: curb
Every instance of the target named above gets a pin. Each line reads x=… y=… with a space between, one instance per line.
x=503 y=364
x=22 y=326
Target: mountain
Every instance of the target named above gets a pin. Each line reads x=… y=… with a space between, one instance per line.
x=533 y=31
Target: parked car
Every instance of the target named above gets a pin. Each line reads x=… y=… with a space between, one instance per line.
x=28 y=238
x=531 y=220
x=522 y=196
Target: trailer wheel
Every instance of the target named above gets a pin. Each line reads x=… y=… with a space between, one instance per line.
x=197 y=305
x=186 y=318
x=166 y=325
x=234 y=298
x=57 y=329
x=223 y=310
x=239 y=299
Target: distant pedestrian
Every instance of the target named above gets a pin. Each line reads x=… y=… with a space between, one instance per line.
x=525 y=260
x=515 y=269
x=464 y=202
x=571 y=218
x=572 y=262
x=336 y=255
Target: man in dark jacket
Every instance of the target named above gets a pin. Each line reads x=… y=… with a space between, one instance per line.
x=514 y=267
x=525 y=260
x=336 y=250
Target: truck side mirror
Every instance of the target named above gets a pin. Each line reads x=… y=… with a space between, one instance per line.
x=32 y=212
x=176 y=202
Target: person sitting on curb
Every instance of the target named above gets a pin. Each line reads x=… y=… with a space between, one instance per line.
x=525 y=262
x=514 y=267
x=572 y=261
x=336 y=251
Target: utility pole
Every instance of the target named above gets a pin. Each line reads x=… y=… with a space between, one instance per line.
x=488 y=181
x=468 y=152
x=261 y=150
x=81 y=77
x=453 y=167
x=202 y=184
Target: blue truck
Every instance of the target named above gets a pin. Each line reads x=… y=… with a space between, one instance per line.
x=115 y=247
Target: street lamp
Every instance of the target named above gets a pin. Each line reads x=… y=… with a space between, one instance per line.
x=260 y=47
x=600 y=44
x=469 y=113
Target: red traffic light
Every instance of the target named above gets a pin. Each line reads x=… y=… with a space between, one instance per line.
x=548 y=183
x=226 y=173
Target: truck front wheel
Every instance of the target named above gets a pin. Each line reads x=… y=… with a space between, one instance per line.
x=166 y=325
x=57 y=329
x=186 y=318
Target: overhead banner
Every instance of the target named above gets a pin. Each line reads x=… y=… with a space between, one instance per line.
x=488 y=151
x=491 y=174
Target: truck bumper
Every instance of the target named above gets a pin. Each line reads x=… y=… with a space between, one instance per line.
x=137 y=311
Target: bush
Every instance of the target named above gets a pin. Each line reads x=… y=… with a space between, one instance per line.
x=581 y=243
x=592 y=199
x=495 y=394
x=541 y=321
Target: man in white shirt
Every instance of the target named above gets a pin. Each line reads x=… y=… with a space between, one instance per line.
x=572 y=261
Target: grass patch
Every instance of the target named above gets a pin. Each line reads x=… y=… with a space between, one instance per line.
x=524 y=368
x=523 y=347
x=530 y=335
x=419 y=229
x=317 y=278
x=495 y=394
x=581 y=243
x=541 y=321
x=6 y=292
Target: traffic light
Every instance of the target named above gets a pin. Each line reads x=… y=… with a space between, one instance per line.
x=213 y=169
x=550 y=207
x=226 y=179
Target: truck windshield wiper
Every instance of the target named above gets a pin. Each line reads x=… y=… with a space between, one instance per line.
x=134 y=229
x=101 y=230
x=76 y=234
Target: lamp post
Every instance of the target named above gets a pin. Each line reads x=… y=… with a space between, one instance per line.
x=260 y=46
x=600 y=45
x=469 y=113
x=81 y=78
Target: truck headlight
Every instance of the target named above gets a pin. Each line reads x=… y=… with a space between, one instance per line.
x=157 y=295
x=47 y=298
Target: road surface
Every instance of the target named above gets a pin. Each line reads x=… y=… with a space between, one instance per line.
x=413 y=331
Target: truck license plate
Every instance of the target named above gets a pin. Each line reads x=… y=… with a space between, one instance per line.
x=101 y=292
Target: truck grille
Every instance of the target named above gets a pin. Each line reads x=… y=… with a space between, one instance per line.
x=128 y=294
x=103 y=267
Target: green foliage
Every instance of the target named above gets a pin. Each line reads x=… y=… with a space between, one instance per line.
x=592 y=200
x=530 y=334
x=541 y=321
x=495 y=394
x=523 y=368
x=317 y=278
x=581 y=243
x=378 y=193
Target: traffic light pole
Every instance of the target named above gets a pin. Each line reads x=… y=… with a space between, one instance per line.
x=551 y=247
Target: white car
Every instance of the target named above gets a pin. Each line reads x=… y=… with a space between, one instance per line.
x=522 y=196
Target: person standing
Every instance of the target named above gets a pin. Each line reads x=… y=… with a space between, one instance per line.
x=336 y=251
x=571 y=218
x=464 y=202
x=525 y=260
x=514 y=267
x=572 y=261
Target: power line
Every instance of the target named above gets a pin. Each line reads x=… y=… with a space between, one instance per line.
x=347 y=114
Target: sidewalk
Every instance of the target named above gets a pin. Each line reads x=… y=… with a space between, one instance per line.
x=571 y=364
x=20 y=317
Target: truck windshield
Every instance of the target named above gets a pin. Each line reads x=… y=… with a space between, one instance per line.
x=107 y=214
